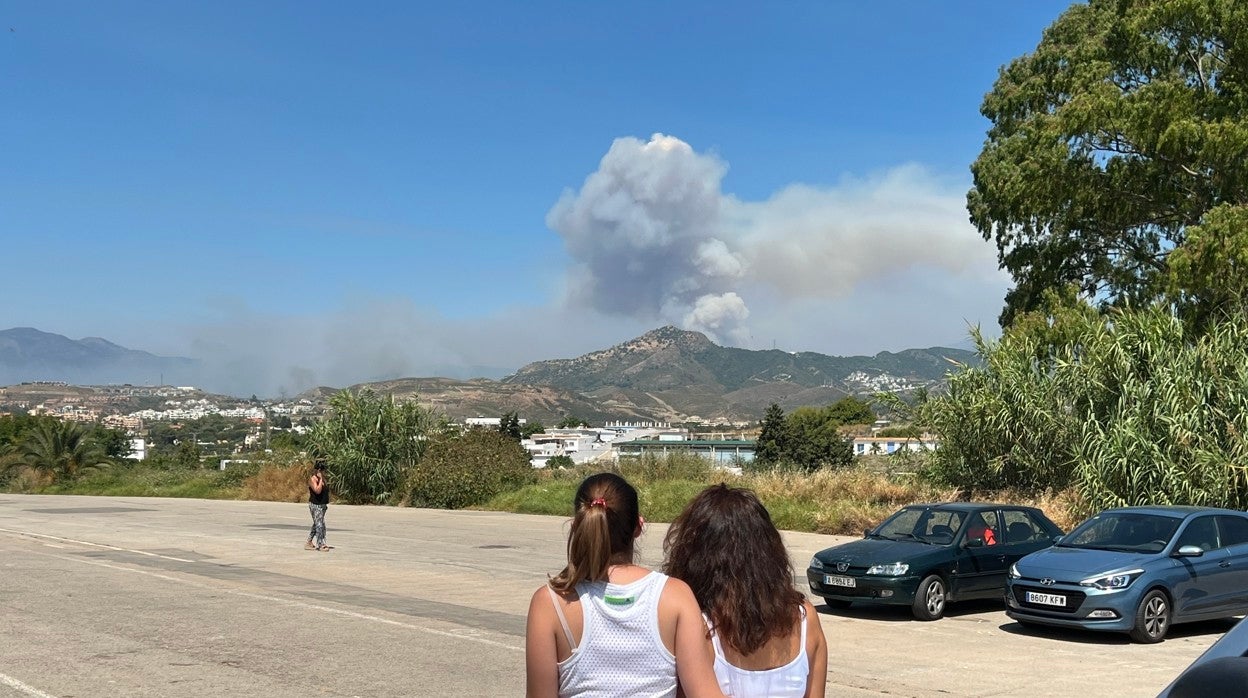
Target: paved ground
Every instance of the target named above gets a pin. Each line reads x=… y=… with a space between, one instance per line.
x=160 y=597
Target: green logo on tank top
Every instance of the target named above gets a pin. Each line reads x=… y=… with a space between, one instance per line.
x=619 y=600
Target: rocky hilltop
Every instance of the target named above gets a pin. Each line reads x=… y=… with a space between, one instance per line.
x=676 y=374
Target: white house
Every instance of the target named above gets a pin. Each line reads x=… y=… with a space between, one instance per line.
x=884 y=445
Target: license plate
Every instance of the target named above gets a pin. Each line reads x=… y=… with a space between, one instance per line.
x=837 y=580
x=1046 y=599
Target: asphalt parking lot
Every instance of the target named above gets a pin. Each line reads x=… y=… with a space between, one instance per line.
x=163 y=597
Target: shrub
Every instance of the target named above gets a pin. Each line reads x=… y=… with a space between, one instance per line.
x=468 y=469
x=372 y=443
x=277 y=483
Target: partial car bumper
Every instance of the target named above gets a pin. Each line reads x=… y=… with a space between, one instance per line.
x=1087 y=608
x=898 y=590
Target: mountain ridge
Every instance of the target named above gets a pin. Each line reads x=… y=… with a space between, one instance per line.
x=28 y=354
x=667 y=374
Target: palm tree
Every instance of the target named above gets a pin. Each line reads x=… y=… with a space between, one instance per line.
x=61 y=450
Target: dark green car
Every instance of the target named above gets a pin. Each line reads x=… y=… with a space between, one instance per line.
x=927 y=555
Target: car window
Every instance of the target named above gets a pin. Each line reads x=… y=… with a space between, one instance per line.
x=940 y=525
x=933 y=525
x=1124 y=531
x=983 y=525
x=1021 y=526
x=1201 y=532
x=1233 y=529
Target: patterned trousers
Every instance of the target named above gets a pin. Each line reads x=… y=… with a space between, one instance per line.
x=318 y=523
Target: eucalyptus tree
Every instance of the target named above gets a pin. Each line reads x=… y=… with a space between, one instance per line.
x=1119 y=144
x=372 y=442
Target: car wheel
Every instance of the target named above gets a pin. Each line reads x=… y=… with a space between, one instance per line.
x=1152 y=618
x=929 y=600
x=837 y=603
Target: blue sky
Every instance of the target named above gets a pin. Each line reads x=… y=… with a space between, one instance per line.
x=322 y=193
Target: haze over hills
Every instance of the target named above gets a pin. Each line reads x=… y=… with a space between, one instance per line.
x=667 y=374
x=27 y=354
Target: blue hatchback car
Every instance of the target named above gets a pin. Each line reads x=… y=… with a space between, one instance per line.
x=1137 y=570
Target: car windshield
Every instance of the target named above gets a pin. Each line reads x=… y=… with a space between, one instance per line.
x=925 y=524
x=1123 y=531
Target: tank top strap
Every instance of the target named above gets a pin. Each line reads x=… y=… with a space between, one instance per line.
x=563 y=620
x=801 y=616
x=719 y=650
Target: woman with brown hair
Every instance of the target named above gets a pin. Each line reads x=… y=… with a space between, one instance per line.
x=607 y=627
x=765 y=635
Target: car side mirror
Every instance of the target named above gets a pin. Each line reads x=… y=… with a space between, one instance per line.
x=1057 y=539
x=1189 y=551
x=866 y=533
x=974 y=542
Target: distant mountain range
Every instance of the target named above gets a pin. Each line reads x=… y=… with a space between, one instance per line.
x=667 y=374
x=27 y=354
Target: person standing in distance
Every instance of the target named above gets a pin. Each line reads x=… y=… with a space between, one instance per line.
x=318 y=502
x=765 y=636
x=605 y=627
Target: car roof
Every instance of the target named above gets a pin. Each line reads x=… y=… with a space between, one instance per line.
x=969 y=506
x=1171 y=510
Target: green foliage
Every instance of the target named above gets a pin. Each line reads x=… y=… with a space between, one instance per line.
x=509 y=426
x=571 y=422
x=1111 y=144
x=55 y=449
x=773 y=438
x=559 y=462
x=809 y=437
x=1208 y=276
x=815 y=440
x=464 y=470
x=287 y=441
x=1130 y=409
x=528 y=429
x=188 y=454
x=372 y=442
x=114 y=442
x=849 y=410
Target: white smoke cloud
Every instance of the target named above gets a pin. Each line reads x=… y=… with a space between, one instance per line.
x=642 y=231
x=653 y=237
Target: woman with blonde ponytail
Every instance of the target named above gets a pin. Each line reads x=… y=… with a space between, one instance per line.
x=605 y=627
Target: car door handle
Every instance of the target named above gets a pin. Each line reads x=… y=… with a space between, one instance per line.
x=1224 y=563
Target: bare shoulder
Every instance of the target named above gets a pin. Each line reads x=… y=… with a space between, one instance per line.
x=811 y=613
x=677 y=593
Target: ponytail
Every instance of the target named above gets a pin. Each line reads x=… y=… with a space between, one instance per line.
x=602 y=529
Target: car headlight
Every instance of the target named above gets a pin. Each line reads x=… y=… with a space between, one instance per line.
x=1117 y=580
x=892 y=569
x=1014 y=571
x=816 y=563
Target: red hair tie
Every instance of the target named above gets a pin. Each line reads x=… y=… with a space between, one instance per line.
x=598 y=502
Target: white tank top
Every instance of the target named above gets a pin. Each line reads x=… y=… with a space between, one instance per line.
x=781 y=682
x=621 y=652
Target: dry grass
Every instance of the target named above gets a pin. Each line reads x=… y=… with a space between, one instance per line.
x=277 y=483
x=27 y=480
x=827 y=501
